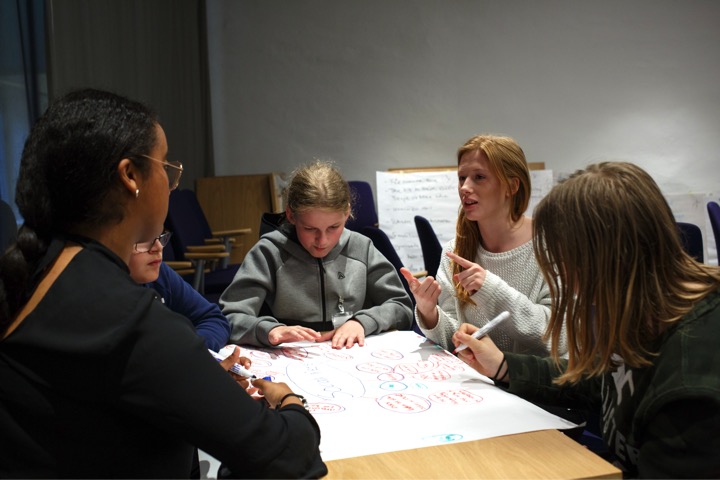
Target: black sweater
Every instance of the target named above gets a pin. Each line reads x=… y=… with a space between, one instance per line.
x=102 y=380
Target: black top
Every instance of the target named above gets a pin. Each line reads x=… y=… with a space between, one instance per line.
x=102 y=380
x=659 y=421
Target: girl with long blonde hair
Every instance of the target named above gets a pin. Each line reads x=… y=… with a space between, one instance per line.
x=489 y=267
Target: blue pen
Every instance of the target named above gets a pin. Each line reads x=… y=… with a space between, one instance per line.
x=236 y=368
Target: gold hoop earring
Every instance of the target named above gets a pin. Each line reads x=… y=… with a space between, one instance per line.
x=137 y=193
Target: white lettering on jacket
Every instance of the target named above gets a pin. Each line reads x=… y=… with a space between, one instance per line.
x=621 y=377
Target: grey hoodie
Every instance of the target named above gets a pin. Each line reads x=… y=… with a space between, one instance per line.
x=280 y=283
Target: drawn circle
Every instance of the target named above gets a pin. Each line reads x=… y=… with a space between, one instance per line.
x=403 y=403
x=395 y=386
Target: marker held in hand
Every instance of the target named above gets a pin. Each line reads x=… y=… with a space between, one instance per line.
x=236 y=368
x=485 y=329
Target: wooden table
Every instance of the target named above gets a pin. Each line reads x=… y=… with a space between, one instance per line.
x=541 y=454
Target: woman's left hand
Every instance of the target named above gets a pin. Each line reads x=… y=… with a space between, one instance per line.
x=347 y=335
x=472 y=277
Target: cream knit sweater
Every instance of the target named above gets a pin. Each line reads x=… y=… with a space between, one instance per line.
x=514 y=283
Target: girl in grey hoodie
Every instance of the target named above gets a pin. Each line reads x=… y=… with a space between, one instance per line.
x=311 y=279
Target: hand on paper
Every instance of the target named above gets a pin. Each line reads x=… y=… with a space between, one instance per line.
x=426 y=293
x=273 y=392
x=347 y=335
x=472 y=277
x=296 y=333
x=231 y=360
x=482 y=354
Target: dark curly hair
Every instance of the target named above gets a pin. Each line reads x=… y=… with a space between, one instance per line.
x=68 y=179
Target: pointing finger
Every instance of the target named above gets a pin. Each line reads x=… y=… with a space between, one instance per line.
x=459 y=260
x=407 y=274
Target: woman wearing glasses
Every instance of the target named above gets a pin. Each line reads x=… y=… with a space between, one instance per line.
x=147 y=268
x=97 y=377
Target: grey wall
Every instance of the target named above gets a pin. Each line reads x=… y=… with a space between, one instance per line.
x=375 y=84
x=151 y=51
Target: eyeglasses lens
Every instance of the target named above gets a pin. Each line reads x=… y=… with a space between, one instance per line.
x=144 y=247
x=174 y=172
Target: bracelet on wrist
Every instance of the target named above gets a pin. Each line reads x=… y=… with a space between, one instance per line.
x=299 y=397
x=495 y=378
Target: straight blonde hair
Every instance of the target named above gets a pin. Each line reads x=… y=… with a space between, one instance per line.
x=317 y=185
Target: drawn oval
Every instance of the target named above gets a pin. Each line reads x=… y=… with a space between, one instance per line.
x=294 y=353
x=325 y=408
x=456 y=397
x=436 y=376
x=387 y=353
x=404 y=403
x=336 y=355
x=324 y=381
x=374 y=367
x=416 y=367
x=263 y=373
x=390 y=377
x=261 y=354
x=448 y=362
x=260 y=363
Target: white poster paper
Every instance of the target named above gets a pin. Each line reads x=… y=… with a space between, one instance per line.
x=399 y=391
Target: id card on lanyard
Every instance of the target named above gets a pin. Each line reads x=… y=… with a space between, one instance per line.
x=340 y=316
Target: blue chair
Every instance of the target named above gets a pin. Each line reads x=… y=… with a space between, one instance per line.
x=197 y=271
x=429 y=244
x=191 y=230
x=363 y=206
x=270 y=221
x=691 y=238
x=714 y=211
x=383 y=244
x=194 y=241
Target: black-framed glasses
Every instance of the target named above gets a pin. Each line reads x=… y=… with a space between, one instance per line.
x=173 y=173
x=144 y=247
